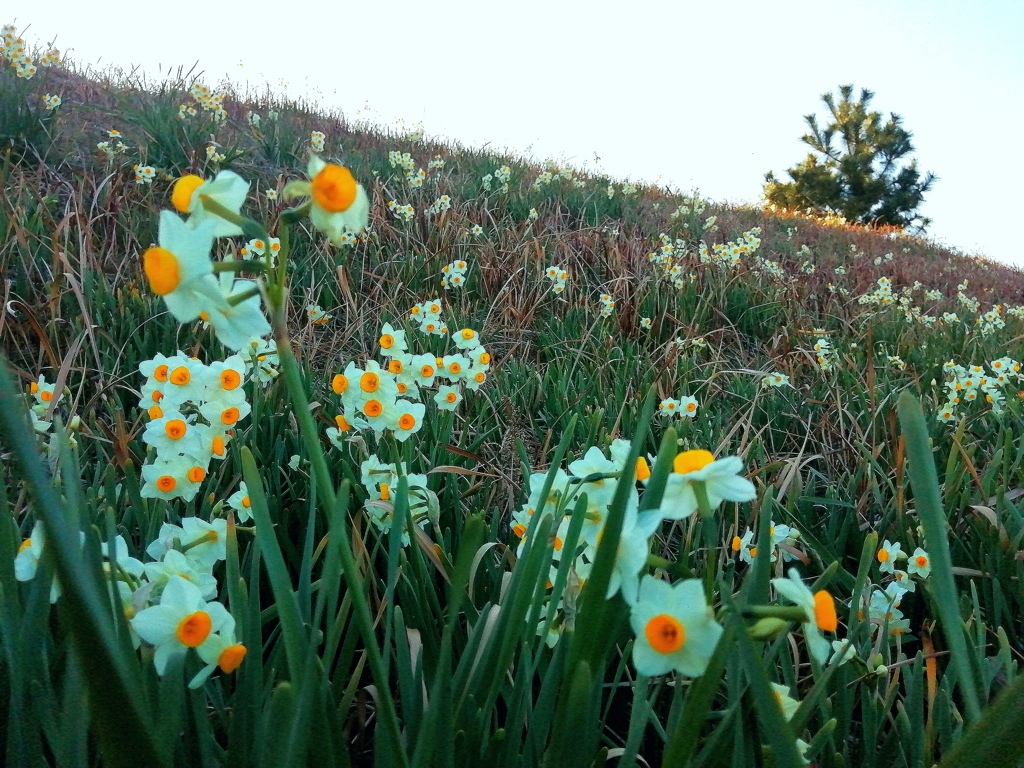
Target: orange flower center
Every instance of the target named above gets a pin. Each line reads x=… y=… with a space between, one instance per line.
x=161 y=268
x=665 y=633
x=451 y=397
x=373 y=408
x=180 y=376
x=343 y=425
x=387 y=341
x=160 y=374
x=230 y=658
x=339 y=384
x=196 y=474
x=218 y=445
x=246 y=502
x=395 y=366
x=230 y=379
x=334 y=188
x=175 y=429
x=883 y=555
x=155 y=412
x=229 y=415
x=407 y=421
x=194 y=629
x=369 y=382
x=825 y=611
x=427 y=371
x=643 y=470
x=166 y=483
x=921 y=561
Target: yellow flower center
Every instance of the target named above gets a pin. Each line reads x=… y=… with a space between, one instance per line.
x=339 y=384
x=246 y=502
x=334 y=188
x=194 y=629
x=737 y=543
x=25 y=544
x=519 y=530
x=468 y=333
x=161 y=268
x=485 y=358
x=825 y=611
x=643 y=471
x=342 y=423
x=691 y=461
x=230 y=658
x=665 y=633
x=883 y=555
x=387 y=341
x=395 y=366
x=180 y=376
x=181 y=195
x=155 y=412
x=479 y=377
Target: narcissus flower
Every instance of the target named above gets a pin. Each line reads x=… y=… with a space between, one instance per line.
x=226 y=188
x=179 y=268
x=920 y=563
x=887 y=556
x=675 y=628
x=820 y=610
x=339 y=206
x=721 y=478
x=181 y=621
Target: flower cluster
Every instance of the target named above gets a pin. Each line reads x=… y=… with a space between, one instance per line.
x=971 y=383
x=607 y=305
x=557 y=276
x=443 y=203
x=316 y=141
x=207 y=99
x=144 y=174
x=454 y=275
x=381 y=397
x=674 y=627
x=684 y=406
x=42 y=393
x=883 y=603
x=824 y=352
x=170 y=601
x=51 y=101
x=316 y=314
x=259 y=247
x=501 y=176
x=213 y=155
x=193 y=411
x=731 y=253
x=14 y=52
x=403 y=212
x=381 y=481
x=881 y=296
x=428 y=315
x=780 y=537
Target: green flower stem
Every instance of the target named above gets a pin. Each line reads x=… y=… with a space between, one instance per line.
x=249 y=227
x=278 y=295
x=245 y=295
x=709 y=526
x=239 y=265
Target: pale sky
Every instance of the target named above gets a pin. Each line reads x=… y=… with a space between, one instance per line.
x=692 y=94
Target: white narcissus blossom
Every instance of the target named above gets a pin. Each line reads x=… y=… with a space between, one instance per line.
x=819 y=609
x=227 y=188
x=181 y=621
x=721 y=478
x=179 y=268
x=339 y=205
x=674 y=626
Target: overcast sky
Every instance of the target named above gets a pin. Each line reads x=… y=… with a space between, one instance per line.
x=692 y=94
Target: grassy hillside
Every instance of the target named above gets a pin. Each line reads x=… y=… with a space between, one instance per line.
x=463 y=634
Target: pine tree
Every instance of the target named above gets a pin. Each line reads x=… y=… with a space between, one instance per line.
x=858 y=170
